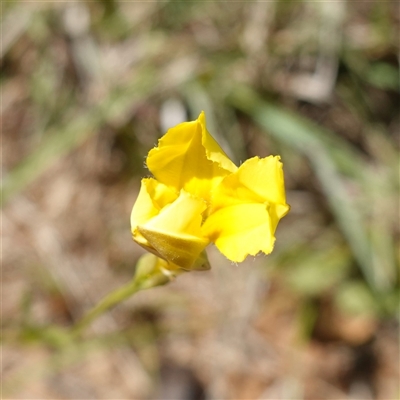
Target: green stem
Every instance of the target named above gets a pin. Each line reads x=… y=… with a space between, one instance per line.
x=150 y=272
x=111 y=300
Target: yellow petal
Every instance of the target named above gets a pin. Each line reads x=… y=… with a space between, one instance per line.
x=240 y=230
x=213 y=149
x=175 y=233
x=153 y=196
x=256 y=181
x=187 y=157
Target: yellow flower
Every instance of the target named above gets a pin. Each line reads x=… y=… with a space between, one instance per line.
x=198 y=196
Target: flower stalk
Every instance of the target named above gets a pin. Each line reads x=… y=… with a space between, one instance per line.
x=151 y=271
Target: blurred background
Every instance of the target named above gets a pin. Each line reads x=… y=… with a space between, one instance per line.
x=89 y=87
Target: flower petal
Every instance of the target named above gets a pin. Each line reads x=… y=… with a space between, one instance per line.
x=241 y=230
x=214 y=151
x=188 y=157
x=256 y=181
x=153 y=196
x=175 y=233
